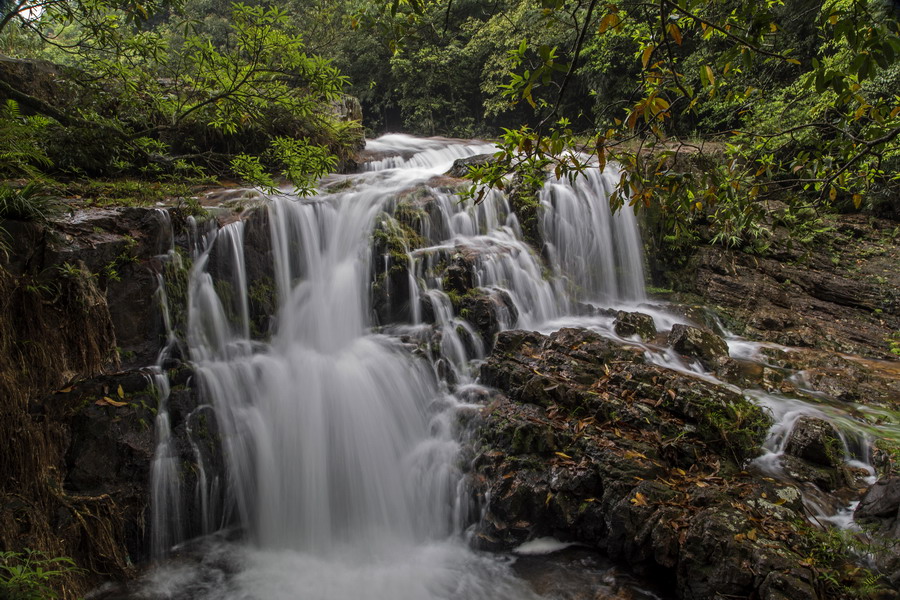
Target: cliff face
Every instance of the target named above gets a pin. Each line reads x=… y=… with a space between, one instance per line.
x=76 y=420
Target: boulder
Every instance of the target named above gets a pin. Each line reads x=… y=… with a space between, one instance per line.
x=881 y=501
x=699 y=343
x=461 y=166
x=488 y=313
x=879 y=510
x=628 y=324
x=816 y=440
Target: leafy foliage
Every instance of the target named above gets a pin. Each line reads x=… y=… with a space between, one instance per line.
x=160 y=99
x=713 y=108
x=21 y=153
x=29 y=575
x=30 y=202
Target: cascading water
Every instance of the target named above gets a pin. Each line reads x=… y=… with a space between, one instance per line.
x=340 y=445
x=599 y=252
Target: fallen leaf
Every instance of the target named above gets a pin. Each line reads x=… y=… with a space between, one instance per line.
x=107 y=400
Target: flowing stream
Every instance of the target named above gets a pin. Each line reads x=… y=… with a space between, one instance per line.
x=340 y=445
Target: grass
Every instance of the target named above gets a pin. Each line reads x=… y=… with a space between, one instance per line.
x=133 y=192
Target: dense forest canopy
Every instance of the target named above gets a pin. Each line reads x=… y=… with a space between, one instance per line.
x=713 y=107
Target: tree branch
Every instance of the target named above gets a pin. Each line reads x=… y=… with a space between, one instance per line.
x=578 y=44
x=720 y=29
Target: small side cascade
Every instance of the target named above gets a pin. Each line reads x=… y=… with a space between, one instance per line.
x=167 y=526
x=599 y=252
x=483 y=243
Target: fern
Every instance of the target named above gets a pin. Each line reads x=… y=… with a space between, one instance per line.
x=21 y=154
x=28 y=203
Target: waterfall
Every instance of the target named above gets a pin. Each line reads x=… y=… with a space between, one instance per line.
x=340 y=445
x=600 y=252
x=339 y=432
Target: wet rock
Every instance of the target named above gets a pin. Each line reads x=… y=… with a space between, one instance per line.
x=628 y=324
x=816 y=441
x=841 y=295
x=461 y=166
x=879 y=510
x=585 y=309
x=460 y=274
x=391 y=243
x=823 y=477
x=578 y=573
x=843 y=378
x=488 y=313
x=111 y=449
x=698 y=343
x=119 y=248
x=881 y=502
x=259 y=263
x=587 y=443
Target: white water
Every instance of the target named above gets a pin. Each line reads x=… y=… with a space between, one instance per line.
x=599 y=252
x=340 y=446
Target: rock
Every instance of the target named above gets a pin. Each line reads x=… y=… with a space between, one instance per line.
x=119 y=247
x=260 y=268
x=698 y=343
x=816 y=440
x=488 y=313
x=798 y=295
x=879 y=509
x=111 y=449
x=802 y=471
x=628 y=324
x=461 y=166
x=587 y=443
x=881 y=501
x=838 y=376
x=460 y=274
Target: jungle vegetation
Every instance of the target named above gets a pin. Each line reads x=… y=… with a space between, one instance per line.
x=716 y=109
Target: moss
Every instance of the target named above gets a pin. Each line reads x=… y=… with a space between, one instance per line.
x=529 y=439
x=396 y=238
x=740 y=424
x=411 y=217
x=175 y=278
x=132 y=192
x=262 y=303
x=527 y=206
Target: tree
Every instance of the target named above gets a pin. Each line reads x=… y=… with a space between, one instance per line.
x=713 y=108
x=166 y=98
